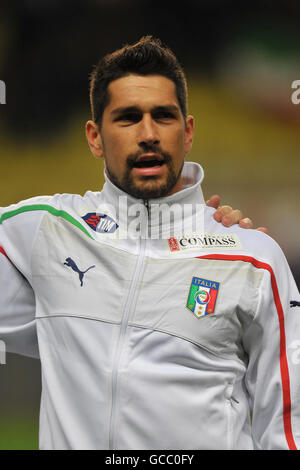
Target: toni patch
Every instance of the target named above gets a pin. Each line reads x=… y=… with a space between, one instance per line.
x=101 y=223
x=202 y=296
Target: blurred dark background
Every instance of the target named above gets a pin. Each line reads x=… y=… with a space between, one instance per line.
x=240 y=60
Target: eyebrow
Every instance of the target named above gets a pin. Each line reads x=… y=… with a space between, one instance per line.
x=137 y=109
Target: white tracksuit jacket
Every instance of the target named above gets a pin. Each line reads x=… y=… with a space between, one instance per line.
x=180 y=341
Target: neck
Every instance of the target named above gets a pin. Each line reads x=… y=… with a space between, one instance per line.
x=178 y=187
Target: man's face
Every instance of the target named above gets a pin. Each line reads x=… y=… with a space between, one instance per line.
x=144 y=137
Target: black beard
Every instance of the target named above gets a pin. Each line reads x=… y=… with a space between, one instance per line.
x=138 y=191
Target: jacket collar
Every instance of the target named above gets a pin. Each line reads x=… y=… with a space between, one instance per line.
x=157 y=212
x=192 y=176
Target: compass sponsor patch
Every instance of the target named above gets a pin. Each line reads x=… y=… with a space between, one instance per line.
x=202 y=296
x=204 y=241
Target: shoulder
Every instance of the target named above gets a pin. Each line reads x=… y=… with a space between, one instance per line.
x=51 y=204
x=247 y=242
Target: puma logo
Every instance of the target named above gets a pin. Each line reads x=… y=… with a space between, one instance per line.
x=294 y=303
x=69 y=262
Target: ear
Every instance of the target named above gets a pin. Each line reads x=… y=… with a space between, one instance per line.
x=189 y=133
x=94 y=139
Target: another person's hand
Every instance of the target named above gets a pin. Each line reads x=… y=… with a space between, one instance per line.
x=228 y=216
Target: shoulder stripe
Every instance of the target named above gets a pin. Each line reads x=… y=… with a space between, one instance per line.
x=2 y=251
x=47 y=208
x=285 y=378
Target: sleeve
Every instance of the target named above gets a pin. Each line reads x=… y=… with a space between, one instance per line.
x=18 y=228
x=17 y=310
x=272 y=343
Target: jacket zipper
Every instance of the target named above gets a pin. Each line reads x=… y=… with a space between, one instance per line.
x=123 y=328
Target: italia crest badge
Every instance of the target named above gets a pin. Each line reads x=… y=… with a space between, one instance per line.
x=202 y=296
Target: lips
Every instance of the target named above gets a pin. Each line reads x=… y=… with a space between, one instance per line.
x=149 y=165
x=149 y=161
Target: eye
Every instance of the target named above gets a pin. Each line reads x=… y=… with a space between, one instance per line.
x=129 y=117
x=163 y=115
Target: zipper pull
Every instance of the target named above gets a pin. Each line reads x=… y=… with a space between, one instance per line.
x=146 y=204
x=146 y=227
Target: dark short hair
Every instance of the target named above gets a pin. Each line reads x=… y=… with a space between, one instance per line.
x=148 y=56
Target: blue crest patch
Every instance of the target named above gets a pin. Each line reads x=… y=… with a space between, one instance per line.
x=202 y=296
x=101 y=223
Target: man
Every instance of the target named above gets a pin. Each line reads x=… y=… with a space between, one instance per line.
x=157 y=327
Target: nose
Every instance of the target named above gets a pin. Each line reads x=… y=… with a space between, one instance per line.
x=148 y=132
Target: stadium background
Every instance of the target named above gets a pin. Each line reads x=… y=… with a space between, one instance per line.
x=240 y=60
